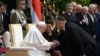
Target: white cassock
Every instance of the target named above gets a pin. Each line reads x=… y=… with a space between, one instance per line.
x=35 y=39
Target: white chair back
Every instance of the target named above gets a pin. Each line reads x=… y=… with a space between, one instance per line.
x=29 y=26
x=16 y=34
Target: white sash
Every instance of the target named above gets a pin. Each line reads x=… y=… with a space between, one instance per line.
x=23 y=22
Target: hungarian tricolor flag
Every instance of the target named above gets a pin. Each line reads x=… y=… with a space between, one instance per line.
x=36 y=11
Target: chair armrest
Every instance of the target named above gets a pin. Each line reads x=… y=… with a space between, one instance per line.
x=21 y=48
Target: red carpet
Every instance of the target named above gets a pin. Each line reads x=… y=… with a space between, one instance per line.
x=3 y=50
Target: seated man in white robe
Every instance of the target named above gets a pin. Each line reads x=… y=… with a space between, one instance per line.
x=35 y=39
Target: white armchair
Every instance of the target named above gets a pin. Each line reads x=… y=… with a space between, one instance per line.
x=16 y=48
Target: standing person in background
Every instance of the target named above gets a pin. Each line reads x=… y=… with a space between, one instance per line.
x=4 y=27
x=7 y=12
x=97 y=30
x=69 y=15
x=92 y=10
x=78 y=13
x=74 y=6
x=86 y=21
x=18 y=16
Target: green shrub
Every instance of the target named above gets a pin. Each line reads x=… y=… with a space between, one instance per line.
x=60 y=4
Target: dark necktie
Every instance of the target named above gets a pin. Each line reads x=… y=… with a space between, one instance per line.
x=0 y=19
x=95 y=18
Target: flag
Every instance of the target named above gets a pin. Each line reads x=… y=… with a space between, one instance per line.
x=36 y=11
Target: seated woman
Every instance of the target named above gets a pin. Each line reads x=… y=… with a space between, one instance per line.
x=50 y=37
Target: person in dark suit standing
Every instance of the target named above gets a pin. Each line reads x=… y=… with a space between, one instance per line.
x=69 y=15
x=78 y=13
x=74 y=41
x=86 y=22
x=7 y=13
x=4 y=27
x=97 y=30
x=3 y=18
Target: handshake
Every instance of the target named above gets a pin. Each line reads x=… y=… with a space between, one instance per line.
x=55 y=43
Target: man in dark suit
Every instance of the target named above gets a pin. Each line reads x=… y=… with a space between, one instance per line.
x=87 y=22
x=4 y=26
x=7 y=13
x=2 y=17
x=69 y=14
x=78 y=13
x=97 y=30
x=74 y=41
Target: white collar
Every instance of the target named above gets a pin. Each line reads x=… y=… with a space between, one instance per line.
x=69 y=13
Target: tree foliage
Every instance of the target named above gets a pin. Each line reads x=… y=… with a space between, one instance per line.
x=60 y=4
